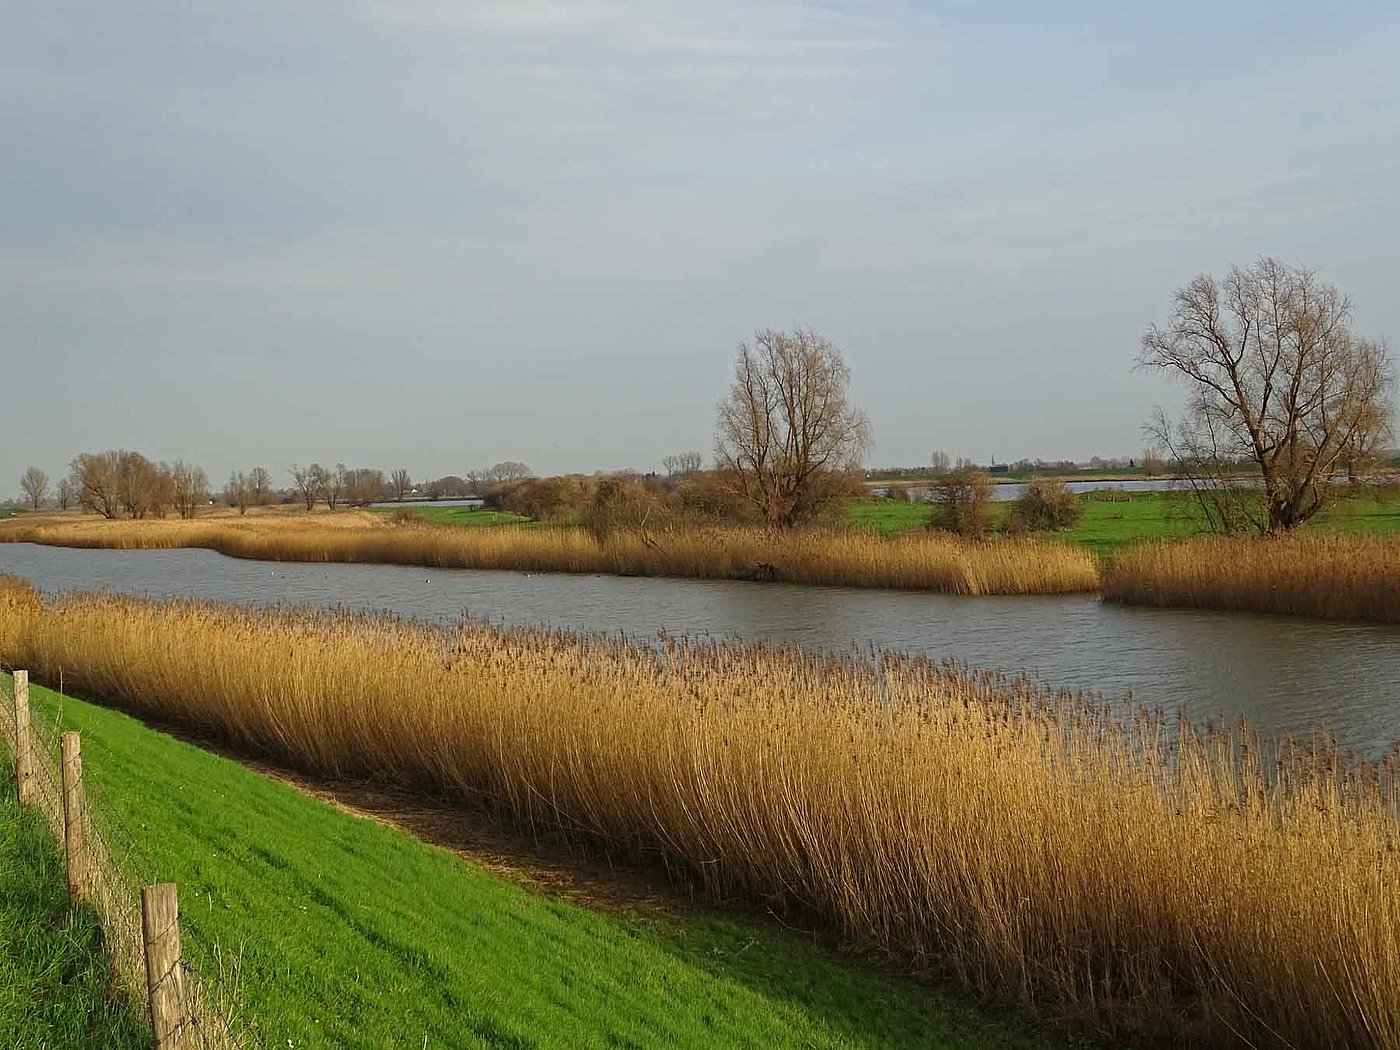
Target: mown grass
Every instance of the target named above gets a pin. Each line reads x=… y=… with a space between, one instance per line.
x=53 y=973
x=837 y=556
x=468 y=516
x=1201 y=888
x=338 y=931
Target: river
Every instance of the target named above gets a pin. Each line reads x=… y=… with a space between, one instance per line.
x=1281 y=673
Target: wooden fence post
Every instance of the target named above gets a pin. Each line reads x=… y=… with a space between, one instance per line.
x=73 y=803
x=165 y=978
x=24 y=758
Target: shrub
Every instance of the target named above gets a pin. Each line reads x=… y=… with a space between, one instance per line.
x=544 y=499
x=712 y=496
x=1046 y=504
x=624 y=503
x=962 y=502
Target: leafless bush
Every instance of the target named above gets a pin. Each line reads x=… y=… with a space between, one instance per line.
x=626 y=504
x=1046 y=504
x=962 y=502
x=544 y=499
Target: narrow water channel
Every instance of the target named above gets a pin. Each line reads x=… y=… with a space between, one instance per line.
x=1281 y=673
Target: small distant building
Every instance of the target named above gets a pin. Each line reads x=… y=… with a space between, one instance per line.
x=999 y=468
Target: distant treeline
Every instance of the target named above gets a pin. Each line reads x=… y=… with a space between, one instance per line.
x=121 y=483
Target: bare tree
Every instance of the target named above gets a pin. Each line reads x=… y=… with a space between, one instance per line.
x=121 y=482
x=95 y=477
x=238 y=492
x=510 y=470
x=364 y=486
x=939 y=461
x=189 y=488
x=67 y=493
x=401 y=482
x=143 y=488
x=1278 y=384
x=35 y=484
x=333 y=484
x=683 y=464
x=786 y=428
x=308 y=482
x=259 y=485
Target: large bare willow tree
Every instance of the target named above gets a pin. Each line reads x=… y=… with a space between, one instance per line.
x=1283 y=395
x=788 y=439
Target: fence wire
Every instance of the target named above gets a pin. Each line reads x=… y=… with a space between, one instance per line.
x=207 y=1018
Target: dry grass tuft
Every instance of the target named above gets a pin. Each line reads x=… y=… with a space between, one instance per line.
x=1340 y=576
x=839 y=557
x=1163 y=885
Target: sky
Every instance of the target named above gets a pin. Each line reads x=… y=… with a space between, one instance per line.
x=442 y=234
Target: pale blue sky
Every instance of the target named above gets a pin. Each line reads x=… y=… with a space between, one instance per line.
x=440 y=234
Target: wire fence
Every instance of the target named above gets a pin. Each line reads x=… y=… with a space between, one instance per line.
x=189 y=1010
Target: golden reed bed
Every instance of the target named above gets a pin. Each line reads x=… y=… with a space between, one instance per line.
x=1340 y=576
x=839 y=557
x=1027 y=844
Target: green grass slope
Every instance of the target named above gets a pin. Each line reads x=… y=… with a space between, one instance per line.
x=352 y=934
x=53 y=973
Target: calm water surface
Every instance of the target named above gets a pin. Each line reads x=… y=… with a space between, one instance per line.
x=1281 y=673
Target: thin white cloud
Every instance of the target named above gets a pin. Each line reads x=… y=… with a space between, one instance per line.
x=704 y=31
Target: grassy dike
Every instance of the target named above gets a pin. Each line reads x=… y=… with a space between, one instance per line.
x=338 y=931
x=53 y=973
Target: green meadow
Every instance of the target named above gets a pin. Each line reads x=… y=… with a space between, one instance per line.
x=1114 y=520
x=455 y=515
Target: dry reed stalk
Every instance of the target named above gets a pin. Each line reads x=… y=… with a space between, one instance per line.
x=1337 y=576
x=837 y=557
x=1195 y=886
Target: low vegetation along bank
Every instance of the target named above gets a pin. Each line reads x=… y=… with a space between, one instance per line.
x=839 y=557
x=327 y=931
x=1207 y=890
x=1341 y=577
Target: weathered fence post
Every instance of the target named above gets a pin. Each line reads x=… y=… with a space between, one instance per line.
x=73 y=803
x=24 y=758
x=165 y=978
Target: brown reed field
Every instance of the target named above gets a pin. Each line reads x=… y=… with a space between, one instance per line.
x=838 y=557
x=1341 y=576
x=1161 y=884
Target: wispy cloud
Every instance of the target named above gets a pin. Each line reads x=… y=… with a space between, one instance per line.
x=718 y=30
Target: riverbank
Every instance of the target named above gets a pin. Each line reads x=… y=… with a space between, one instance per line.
x=1023 y=843
x=393 y=939
x=1343 y=568
x=1337 y=577
x=838 y=557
